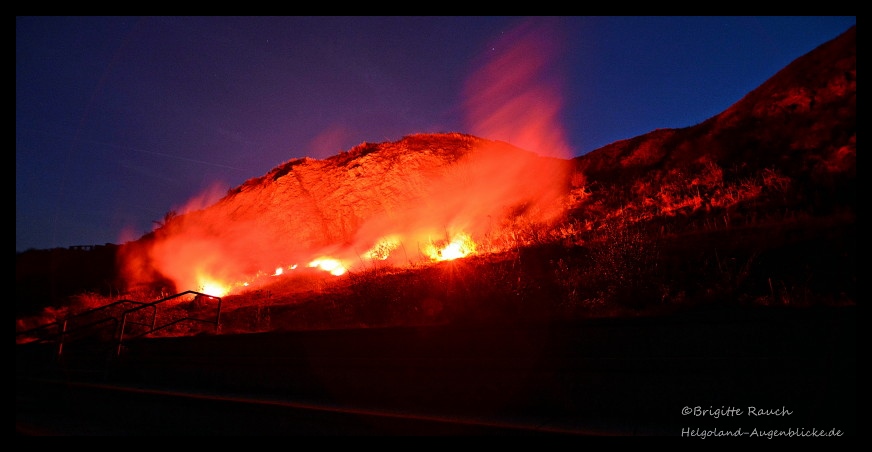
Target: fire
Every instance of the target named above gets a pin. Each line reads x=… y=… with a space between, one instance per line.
x=215 y=289
x=382 y=249
x=461 y=246
x=333 y=266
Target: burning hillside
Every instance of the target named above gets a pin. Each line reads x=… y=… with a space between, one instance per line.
x=423 y=198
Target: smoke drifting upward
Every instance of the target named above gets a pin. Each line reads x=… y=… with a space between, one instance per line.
x=516 y=95
x=426 y=197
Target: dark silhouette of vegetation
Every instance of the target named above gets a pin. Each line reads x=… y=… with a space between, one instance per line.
x=167 y=218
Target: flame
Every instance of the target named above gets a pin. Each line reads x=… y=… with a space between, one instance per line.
x=214 y=288
x=334 y=266
x=460 y=246
x=382 y=249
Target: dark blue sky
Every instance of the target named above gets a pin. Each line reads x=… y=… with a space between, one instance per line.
x=119 y=120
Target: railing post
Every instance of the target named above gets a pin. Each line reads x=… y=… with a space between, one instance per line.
x=218 y=318
x=61 y=336
x=121 y=334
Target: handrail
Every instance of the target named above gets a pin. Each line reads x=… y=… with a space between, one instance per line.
x=62 y=324
x=153 y=328
x=64 y=333
x=121 y=322
x=167 y=325
x=40 y=337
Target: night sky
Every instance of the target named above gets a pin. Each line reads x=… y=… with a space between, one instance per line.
x=119 y=120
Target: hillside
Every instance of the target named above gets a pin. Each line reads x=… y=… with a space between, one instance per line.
x=753 y=207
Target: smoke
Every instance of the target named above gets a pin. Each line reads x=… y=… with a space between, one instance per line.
x=516 y=95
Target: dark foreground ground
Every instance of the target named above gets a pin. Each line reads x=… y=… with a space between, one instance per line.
x=757 y=373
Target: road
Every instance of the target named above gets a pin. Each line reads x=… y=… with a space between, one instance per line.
x=760 y=371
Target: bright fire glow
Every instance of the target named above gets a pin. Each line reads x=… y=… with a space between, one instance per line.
x=278 y=272
x=461 y=246
x=328 y=264
x=215 y=289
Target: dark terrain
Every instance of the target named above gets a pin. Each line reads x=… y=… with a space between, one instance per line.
x=627 y=377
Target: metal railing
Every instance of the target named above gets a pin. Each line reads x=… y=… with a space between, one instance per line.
x=124 y=322
x=78 y=325
x=128 y=319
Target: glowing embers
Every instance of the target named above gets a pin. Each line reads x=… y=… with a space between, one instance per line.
x=333 y=266
x=460 y=246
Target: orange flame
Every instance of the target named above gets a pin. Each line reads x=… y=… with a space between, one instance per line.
x=333 y=266
x=214 y=288
x=382 y=249
x=460 y=246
